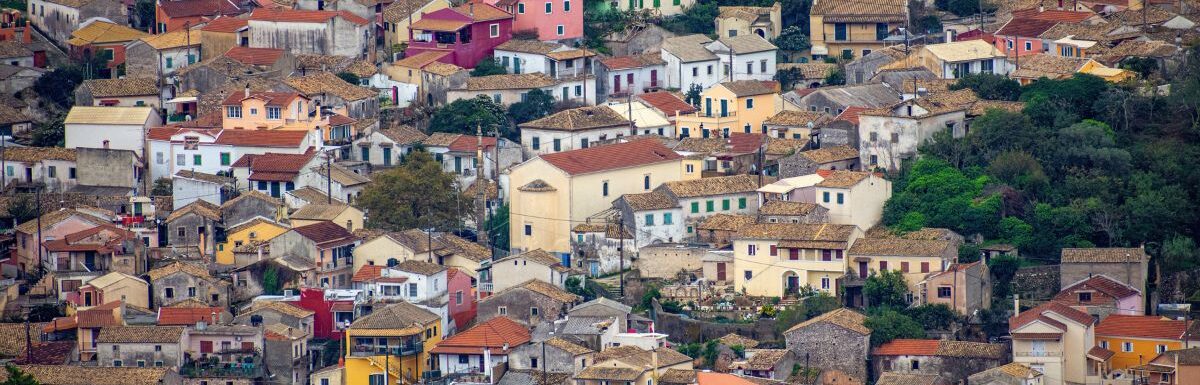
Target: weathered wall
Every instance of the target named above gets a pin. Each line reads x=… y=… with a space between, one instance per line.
x=103 y=167
x=517 y=304
x=690 y=330
x=831 y=347
x=1036 y=282
x=1132 y=274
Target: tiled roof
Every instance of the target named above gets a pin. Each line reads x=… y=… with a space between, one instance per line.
x=1142 y=326
x=103 y=32
x=1189 y=356
x=568 y=346
x=466 y=248
x=53 y=218
x=1049 y=66
x=368 y=273
x=897 y=378
x=968 y=349
x=797 y=232
x=481 y=12
x=402 y=9
x=179 y=267
x=778 y=207
x=281 y=332
x=831 y=154
x=440 y=139
x=783 y=146
x=12 y=337
x=403 y=134
x=1026 y=27
x=797 y=118
x=10 y=49
x=251 y=194
x=38 y=154
x=654 y=200
x=401 y=315
x=186 y=316
x=105 y=88
x=1100 y=283
x=442 y=69
x=578 y=119
x=176 y=39
x=528 y=46
x=1055 y=307
x=744 y=44
x=329 y=83
x=361 y=69
x=611 y=157
x=491 y=189
x=632 y=61
x=1133 y=48
x=343 y=175
x=494 y=334
x=192 y=8
x=273 y=166
x=720 y=185
x=734 y=339
x=543 y=288
x=637 y=357
x=610 y=230
x=835 y=11
x=843 y=317
x=419 y=267
x=1100 y=353
x=439 y=25
x=850 y=114
x=211 y=178
x=1103 y=255
x=262 y=138
x=421 y=60
x=689 y=48
x=10 y=115
x=225 y=25
x=764 y=359
x=907 y=347
x=84 y=240
x=470 y=143
x=742 y=88
x=270 y=98
x=1017 y=370
x=282 y=308
x=324 y=232
x=667 y=103
x=961 y=51
x=814 y=70
x=319 y=211
x=140 y=334
x=199 y=207
x=899 y=247
x=417 y=240
x=678 y=376
x=510 y=82
x=108 y=115
x=537 y=185
x=313 y=195
x=303 y=16
x=608 y=373
x=843 y=178
x=92 y=375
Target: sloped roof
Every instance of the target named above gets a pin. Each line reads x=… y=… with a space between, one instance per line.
x=186 y=316
x=611 y=157
x=742 y=88
x=616 y=63
x=778 y=207
x=835 y=11
x=192 y=8
x=960 y=51
x=103 y=32
x=1103 y=255
x=654 y=200
x=109 y=115
x=419 y=267
x=225 y=25
x=401 y=315
x=493 y=334
x=667 y=103
x=180 y=267
x=578 y=119
x=401 y=9
x=543 y=288
x=528 y=46
x=319 y=211
x=254 y=56
x=279 y=14
x=329 y=83
x=509 y=81
x=38 y=154
x=689 y=48
x=747 y=44
x=899 y=247
x=720 y=185
x=897 y=378
x=1055 y=307
x=797 y=231
x=843 y=317
x=280 y=307
x=1142 y=326
x=92 y=375
x=725 y=222
x=199 y=207
x=324 y=232
x=54 y=217
x=1100 y=283
x=107 y=88
x=140 y=334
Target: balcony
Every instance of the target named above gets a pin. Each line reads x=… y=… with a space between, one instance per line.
x=635 y=88
x=1039 y=353
x=377 y=350
x=206 y=368
x=485 y=287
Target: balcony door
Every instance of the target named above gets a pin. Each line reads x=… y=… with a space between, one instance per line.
x=1038 y=348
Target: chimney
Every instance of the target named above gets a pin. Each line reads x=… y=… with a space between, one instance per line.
x=1041 y=8
x=246 y=91
x=214 y=317
x=471 y=10
x=1016 y=304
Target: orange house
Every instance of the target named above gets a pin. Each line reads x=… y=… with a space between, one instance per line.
x=1137 y=339
x=260 y=110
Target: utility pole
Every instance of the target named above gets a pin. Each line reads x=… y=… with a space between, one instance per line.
x=329 y=177
x=621 y=251
x=28 y=341
x=38 y=196
x=481 y=186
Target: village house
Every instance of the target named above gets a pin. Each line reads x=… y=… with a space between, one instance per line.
x=666 y=104
x=118 y=92
x=180 y=281
x=964 y=287
x=249 y=205
x=555 y=59
x=189 y=313
x=391 y=248
x=112 y=287
x=314 y=32
x=101 y=248
x=271 y=60
x=285 y=352
x=1055 y=339
x=469 y=32
x=418 y=282
x=1171 y=367
x=106 y=40
x=465 y=352
x=577 y=184
x=141 y=346
x=421 y=78
x=834 y=341
x=718 y=230
x=216 y=347
x=1136 y=339
x=387 y=147
x=14 y=79
x=327 y=245
x=598 y=248
x=327 y=89
x=53 y=168
x=825 y=158
x=851 y=30
x=463 y=298
x=953 y=361
x=398 y=15
x=794 y=124
x=780 y=211
x=273 y=173
x=214 y=151
x=511 y=88
x=58 y=18
x=223 y=33
x=283 y=313
x=766 y=22
x=176 y=15
x=833 y=101
x=189 y=186
x=752 y=53
x=31 y=234
x=632 y=364
x=562 y=356
x=955 y=60
x=852 y=197
x=267 y=110
x=118 y=128
x=194 y=225
x=887 y=136
x=458 y=155
x=1101 y=296
x=404 y=332
x=690 y=63
x=1036 y=66
x=255 y=231
x=1008 y=374
x=572 y=129
x=661 y=7
x=163 y=54
x=646 y=119
x=777 y=259
x=555 y=22
x=703 y=197
x=653 y=217
x=631 y=75
x=1125 y=265
x=738 y=106
x=772 y=364
x=515 y=269
x=530 y=303
x=1020 y=35
x=912 y=257
x=339 y=214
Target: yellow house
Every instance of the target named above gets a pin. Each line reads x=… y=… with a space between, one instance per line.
x=253 y=231
x=342 y=215
x=737 y=106
x=853 y=28
x=263 y=110
x=408 y=70
x=556 y=191
x=391 y=248
x=914 y=258
x=629 y=364
x=114 y=286
x=399 y=15
x=1137 y=339
x=777 y=259
x=397 y=337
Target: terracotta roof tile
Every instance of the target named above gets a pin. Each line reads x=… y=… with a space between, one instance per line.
x=103 y=32
x=654 y=200
x=186 y=316
x=778 y=207
x=38 y=154
x=180 y=267
x=897 y=378
x=528 y=46
x=303 y=16
x=482 y=12
x=611 y=157
x=689 y=48
x=509 y=81
x=861 y=11
x=1100 y=353
x=419 y=267
x=327 y=82
x=907 y=347
x=633 y=61
x=11 y=49
x=721 y=185
x=140 y=334
x=422 y=59
x=743 y=88
x=324 y=233
x=281 y=307
x=1137 y=326
x=225 y=25
x=108 y=88
x=1103 y=255
x=199 y=207
x=543 y=288
x=397 y=316
x=610 y=230
x=493 y=334
x=900 y=247
x=1051 y=307
x=667 y=103
x=192 y=8
x=843 y=179
x=1100 y=283
x=90 y=375
x=402 y=9
x=578 y=119
x=843 y=317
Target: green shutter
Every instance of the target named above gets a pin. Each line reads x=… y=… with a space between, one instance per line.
x=708 y=206
x=695 y=205
x=631 y=2
x=195 y=160
x=741 y=203
x=224 y=158
x=657 y=3
x=725 y=205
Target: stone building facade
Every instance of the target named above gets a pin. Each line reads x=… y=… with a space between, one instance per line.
x=141 y=346
x=951 y=360
x=836 y=340
x=530 y=303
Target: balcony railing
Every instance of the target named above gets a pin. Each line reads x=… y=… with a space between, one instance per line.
x=204 y=368
x=376 y=350
x=485 y=287
x=1037 y=354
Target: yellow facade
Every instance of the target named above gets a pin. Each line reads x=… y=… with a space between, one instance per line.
x=351 y=217
x=860 y=39
x=692 y=168
x=913 y=276
x=396 y=22
x=259 y=232
x=1142 y=349
x=378 y=250
x=722 y=112
x=770 y=275
x=408 y=367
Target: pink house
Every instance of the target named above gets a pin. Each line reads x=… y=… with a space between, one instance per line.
x=54 y=225
x=1101 y=296
x=554 y=20
x=469 y=32
x=462 y=297
x=1021 y=35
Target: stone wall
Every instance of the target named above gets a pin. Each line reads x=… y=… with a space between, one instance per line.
x=1036 y=282
x=831 y=347
x=686 y=330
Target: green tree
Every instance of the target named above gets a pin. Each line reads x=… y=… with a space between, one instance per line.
x=808 y=308
x=270 y=281
x=418 y=194
x=144 y=11
x=497 y=226
x=349 y=77
x=58 y=86
x=162 y=187
x=1179 y=254
x=537 y=104
x=792 y=38
x=888 y=324
x=990 y=86
x=1003 y=269
x=933 y=316
x=886 y=289
x=51 y=133
x=787 y=77
x=464 y=115
x=45 y=313
x=1016 y=232
x=695 y=19
x=693 y=95
x=22 y=208
x=836 y=77
x=487 y=67
x=18 y=377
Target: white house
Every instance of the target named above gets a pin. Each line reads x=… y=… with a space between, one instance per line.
x=572 y=129
x=646 y=119
x=555 y=59
x=120 y=128
x=163 y=54
x=957 y=59
x=889 y=135
x=174 y=149
x=346 y=185
x=310 y=32
x=188 y=186
x=752 y=57
x=507 y=89
x=387 y=146
x=632 y=75
x=688 y=62
x=656 y=218
x=457 y=154
x=852 y=197
x=53 y=167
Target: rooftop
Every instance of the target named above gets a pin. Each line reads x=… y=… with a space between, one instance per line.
x=109 y=88
x=611 y=157
x=1103 y=255
x=900 y=247
x=578 y=119
x=493 y=334
x=1142 y=326
x=109 y=115
x=843 y=317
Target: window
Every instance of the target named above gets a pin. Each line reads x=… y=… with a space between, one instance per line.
x=141 y=363
x=557 y=144
x=521 y=8
x=225 y=158
x=904 y=267
x=825 y=196
x=666 y=218
x=924 y=267
x=986 y=66
x=750 y=249
x=376 y=379
x=943 y=292
x=750 y=67
x=749 y=103
x=533 y=312
x=533 y=362
x=528 y=230
x=1009 y=44
x=169 y=292
x=458 y=297
x=762 y=66
x=233 y=112
x=537 y=143
x=748 y=274
x=170 y=63
x=1104 y=344
x=1127 y=347
x=567 y=6
x=649 y=219
x=117 y=363
x=192 y=291
x=253 y=111
x=604 y=188
x=695 y=207
x=196 y=159
x=895 y=137
x=578 y=89
x=695 y=71
x=52 y=171
x=494 y=30
x=158 y=348
x=690 y=168
x=273 y=113
x=883 y=266
x=158 y=364
x=839 y=31
x=741 y=203
x=1085 y=297
x=724 y=205
x=503 y=310
x=1028 y=46
x=1160 y=349
x=841 y=198
x=881 y=31
x=710 y=71
x=774 y=250
x=708 y=206
x=463 y=359
x=825 y=283
x=916 y=365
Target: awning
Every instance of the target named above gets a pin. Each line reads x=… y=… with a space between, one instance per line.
x=820 y=50
x=183 y=99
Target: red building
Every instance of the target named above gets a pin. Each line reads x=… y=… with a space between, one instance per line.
x=1020 y=36
x=174 y=15
x=332 y=308
x=462 y=297
x=469 y=32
